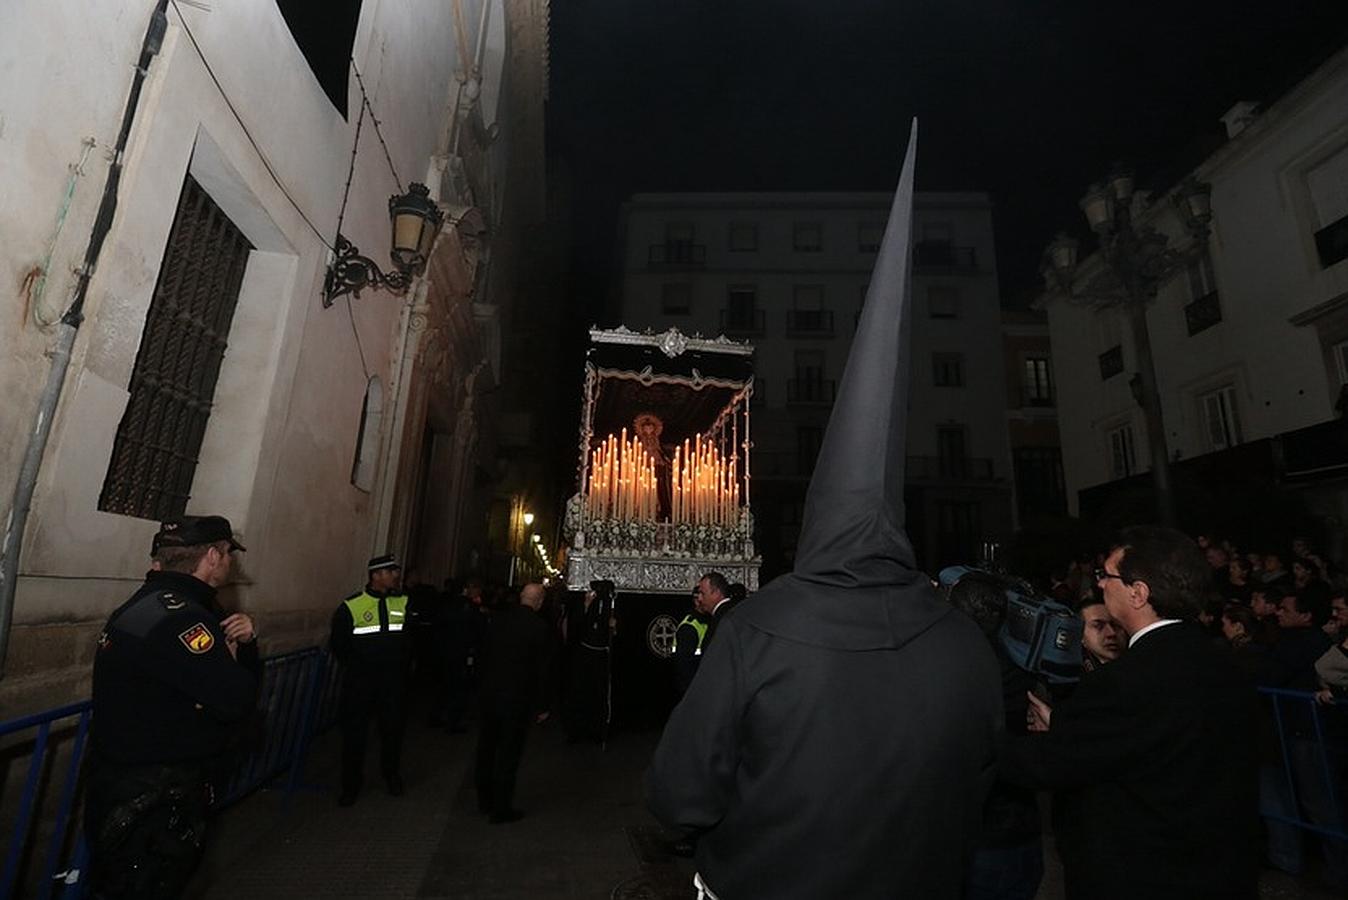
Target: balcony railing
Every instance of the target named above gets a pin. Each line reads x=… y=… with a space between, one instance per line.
x=1038 y=397
x=949 y=468
x=741 y=322
x=810 y=390
x=676 y=255
x=944 y=255
x=809 y=322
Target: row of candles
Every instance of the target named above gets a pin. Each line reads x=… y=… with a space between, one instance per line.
x=622 y=481
x=704 y=489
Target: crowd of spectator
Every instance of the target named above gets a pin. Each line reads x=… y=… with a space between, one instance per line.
x=1281 y=611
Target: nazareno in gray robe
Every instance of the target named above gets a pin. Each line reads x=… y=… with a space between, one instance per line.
x=841 y=734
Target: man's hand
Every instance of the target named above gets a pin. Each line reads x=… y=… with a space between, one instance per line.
x=1039 y=714
x=239 y=629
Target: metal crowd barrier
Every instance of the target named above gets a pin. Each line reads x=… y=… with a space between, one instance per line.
x=1321 y=760
x=297 y=701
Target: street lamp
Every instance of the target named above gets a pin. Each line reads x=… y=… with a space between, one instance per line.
x=1137 y=260
x=415 y=220
x=528 y=519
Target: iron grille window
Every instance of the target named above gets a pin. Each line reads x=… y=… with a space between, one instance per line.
x=154 y=457
x=1203 y=313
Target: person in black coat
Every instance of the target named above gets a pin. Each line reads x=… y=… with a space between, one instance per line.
x=840 y=736
x=1152 y=756
x=175 y=681
x=516 y=662
x=717 y=598
x=589 y=640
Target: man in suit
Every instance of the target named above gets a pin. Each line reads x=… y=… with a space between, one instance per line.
x=1153 y=756
x=516 y=663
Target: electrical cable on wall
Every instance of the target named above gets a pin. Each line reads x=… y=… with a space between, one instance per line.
x=266 y=164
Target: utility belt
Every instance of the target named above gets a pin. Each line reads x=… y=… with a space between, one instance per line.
x=148 y=826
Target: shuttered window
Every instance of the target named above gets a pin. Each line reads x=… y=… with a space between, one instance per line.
x=154 y=457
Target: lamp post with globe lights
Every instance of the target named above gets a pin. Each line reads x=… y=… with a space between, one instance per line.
x=1135 y=260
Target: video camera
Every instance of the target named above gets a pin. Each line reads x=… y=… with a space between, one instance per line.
x=1039 y=634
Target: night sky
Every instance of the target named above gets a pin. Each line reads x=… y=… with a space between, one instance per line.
x=1030 y=100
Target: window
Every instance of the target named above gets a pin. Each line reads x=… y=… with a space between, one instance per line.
x=1122 y=459
x=947 y=369
x=943 y=301
x=1203 y=310
x=1111 y=362
x=1340 y=351
x=154 y=455
x=807 y=237
x=809 y=439
x=808 y=315
x=678 y=232
x=1221 y=418
x=676 y=298
x=869 y=235
x=959 y=525
x=742 y=314
x=743 y=237
x=1037 y=386
x=367 y=436
x=1328 y=186
x=809 y=384
x=1039 y=481
x=951 y=459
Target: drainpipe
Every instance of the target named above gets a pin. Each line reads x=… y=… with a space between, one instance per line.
x=65 y=339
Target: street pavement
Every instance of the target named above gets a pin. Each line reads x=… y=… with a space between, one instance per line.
x=586 y=833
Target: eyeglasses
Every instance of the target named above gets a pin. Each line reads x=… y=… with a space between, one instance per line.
x=1101 y=574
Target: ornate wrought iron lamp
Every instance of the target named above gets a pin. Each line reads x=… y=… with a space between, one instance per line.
x=1135 y=261
x=415 y=221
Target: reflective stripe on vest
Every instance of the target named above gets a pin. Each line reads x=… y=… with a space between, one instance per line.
x=364 y=608
x=698 y=625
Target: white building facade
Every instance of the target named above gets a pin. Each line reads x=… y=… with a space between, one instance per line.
x=1250 y=338
x=788 y=272
x=328 y=434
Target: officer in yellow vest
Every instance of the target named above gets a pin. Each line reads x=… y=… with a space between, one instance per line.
x=373 y=648
x=688 y=638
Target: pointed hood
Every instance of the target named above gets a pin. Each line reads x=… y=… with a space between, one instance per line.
x=856 y=584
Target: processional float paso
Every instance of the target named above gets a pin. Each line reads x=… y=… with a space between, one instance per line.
x=664 y=463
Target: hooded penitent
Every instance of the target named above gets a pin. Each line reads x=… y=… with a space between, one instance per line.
x=840 y=734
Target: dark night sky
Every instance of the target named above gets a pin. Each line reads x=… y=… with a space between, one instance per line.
x=1027 y=99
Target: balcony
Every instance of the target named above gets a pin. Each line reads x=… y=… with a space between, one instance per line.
x=1038 y=398
x=742 y=322
x=945 y=256
x=810 y=390
x=949 y=468
x=676 y=255
x=809 y=323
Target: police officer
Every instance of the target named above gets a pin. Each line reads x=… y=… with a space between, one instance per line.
x=372 y=646
x=688 y=638
x=174 y=678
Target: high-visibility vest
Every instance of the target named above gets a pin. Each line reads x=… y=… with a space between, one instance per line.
x=364 y=609
x=698 y=625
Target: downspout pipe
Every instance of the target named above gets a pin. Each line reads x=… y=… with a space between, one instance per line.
x=69 y=326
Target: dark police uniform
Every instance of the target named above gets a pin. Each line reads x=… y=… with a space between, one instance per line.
x=370 y=641
x=168 y=700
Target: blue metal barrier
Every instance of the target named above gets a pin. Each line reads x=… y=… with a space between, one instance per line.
x=296 y=701
x=1328 y=752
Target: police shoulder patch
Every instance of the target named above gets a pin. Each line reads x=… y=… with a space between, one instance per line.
x=198 y=638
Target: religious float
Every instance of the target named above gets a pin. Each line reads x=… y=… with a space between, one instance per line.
x=663 y=475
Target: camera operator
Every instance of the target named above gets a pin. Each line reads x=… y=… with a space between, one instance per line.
x=1008 y=862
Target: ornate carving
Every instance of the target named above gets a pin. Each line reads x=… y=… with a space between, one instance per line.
x=672 y=343
x=671 y=340
x=655 y=576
